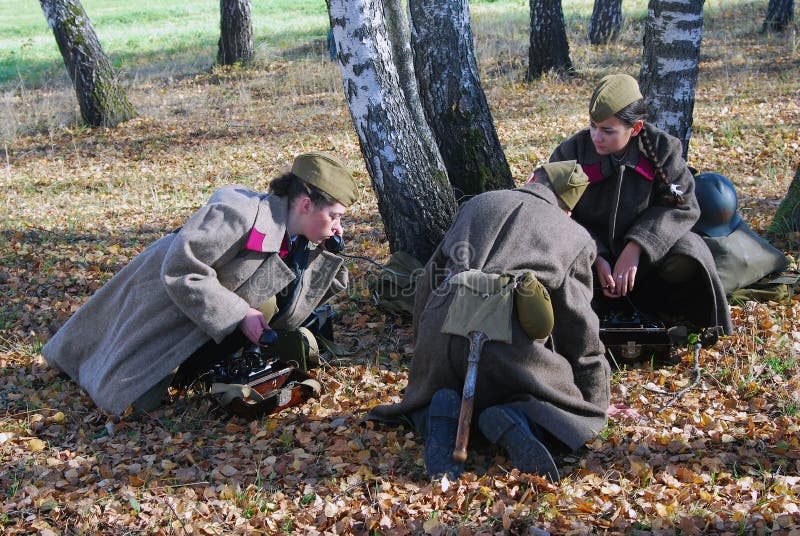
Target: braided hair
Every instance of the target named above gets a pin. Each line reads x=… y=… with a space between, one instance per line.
x=666 y=191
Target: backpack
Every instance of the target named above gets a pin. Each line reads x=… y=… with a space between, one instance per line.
x=393 y=289
x=742 y=258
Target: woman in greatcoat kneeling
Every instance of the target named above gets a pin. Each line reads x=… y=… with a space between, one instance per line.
x=202 y=291
x=531 y=394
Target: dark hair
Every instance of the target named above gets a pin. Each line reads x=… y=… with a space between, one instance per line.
x=636 y=111
x=291 y=186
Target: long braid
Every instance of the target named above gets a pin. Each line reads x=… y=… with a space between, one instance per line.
x=665 y=190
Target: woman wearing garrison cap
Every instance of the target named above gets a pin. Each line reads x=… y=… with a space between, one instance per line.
x=640 y=209
x=546 y=383
x=206 y=288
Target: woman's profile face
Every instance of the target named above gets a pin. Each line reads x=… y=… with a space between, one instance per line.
x=611 y=136
x=320 y=222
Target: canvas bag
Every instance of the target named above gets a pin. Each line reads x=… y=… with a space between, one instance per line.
x=482 y=303
x=743 y=257
x=394 y=288
x=533 y=306
x=776 y=289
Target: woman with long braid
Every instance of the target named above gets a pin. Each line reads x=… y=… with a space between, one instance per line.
x=640 y=208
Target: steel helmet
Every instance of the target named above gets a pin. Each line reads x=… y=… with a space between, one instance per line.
x=718 y=202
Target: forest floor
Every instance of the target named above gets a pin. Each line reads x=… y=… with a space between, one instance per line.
x=78 y=204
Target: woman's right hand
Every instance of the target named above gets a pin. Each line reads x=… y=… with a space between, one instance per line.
x=605 y=277
x=253 y=324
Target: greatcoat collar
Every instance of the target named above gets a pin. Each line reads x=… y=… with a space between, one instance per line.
x=269 y=229
x=599 y=167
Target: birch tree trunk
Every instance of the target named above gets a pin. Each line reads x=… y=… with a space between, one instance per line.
x=787 y=217
x=454 y=102
x=779 y=14
x=670 y=63
x=101 y=98
x=399 y=33
x=414 y=197
x=606 y=21
x=236 y=32
x=549 y=46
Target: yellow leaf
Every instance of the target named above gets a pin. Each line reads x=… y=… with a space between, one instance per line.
x=430 y=525
x=36 y=445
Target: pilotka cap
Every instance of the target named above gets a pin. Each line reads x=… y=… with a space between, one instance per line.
x=612 y=94
x=568 y=180
x=328 y=174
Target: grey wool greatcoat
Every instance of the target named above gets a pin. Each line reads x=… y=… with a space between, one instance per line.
x=183 y=290
x=620 y=204
x=565 y=390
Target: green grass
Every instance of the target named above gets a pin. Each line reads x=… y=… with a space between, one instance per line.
x=149 y=35
x=176 y=38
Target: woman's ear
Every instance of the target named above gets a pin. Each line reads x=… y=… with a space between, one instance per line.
x=304 y=204
x=637 y=127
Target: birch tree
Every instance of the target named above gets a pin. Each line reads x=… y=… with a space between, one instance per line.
x=779 y=14
x=415 y=200
x=101 y=99
x=549 y=48
x=670 y=63
x=236 y=32
x=606 y=21
x=453 y=99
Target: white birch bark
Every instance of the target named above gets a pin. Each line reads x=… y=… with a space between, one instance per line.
x=407 y=174
x=670 y=64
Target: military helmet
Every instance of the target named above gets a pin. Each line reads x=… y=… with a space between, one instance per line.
x=718 y=202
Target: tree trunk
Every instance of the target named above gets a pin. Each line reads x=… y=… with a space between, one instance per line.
x=779 y=14
x=408 y=175
x=452 y=97
x=236 y=32
x=787 y=217
x=670 y=63
x=101 y=98
x=606 y=21
x=549 y=46
x=397 y=28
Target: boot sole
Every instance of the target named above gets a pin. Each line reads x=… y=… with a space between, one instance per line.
x=527 y=453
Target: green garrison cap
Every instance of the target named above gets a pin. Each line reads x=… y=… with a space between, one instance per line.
x=612 y=94
x=568 y=180
x=328 y=174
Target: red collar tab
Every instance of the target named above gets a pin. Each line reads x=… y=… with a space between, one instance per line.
x=255 y=242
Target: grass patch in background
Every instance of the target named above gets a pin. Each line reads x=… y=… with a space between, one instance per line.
x=149 y=36
x=156 y=38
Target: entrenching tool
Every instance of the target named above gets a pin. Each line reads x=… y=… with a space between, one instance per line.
x=476 y=339
x=480 y=311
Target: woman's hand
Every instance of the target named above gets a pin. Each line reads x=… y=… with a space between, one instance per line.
x=605 y=277
x=626 y=267
x=253 y=324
